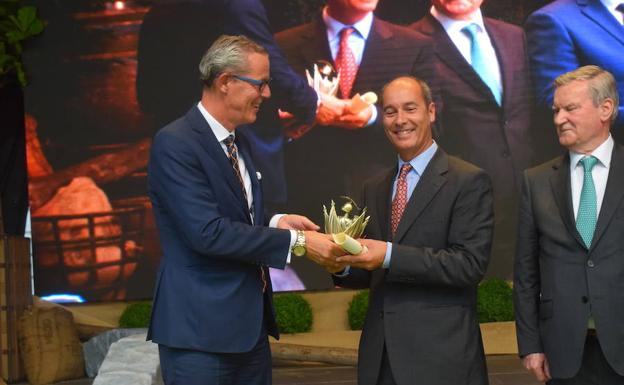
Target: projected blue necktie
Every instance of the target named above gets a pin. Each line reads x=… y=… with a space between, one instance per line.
x=479 y=62
x=587 y=211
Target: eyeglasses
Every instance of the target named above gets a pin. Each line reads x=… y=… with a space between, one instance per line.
x=261 y=84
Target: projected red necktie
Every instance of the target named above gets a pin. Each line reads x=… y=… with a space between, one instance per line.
x=345 y=63
x=400 y=197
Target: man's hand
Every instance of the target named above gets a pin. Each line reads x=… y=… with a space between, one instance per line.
x=351 y=121
x=370 y=259
x=322 y=250
x=296 y=222
x=538 y=364
x=330 y=109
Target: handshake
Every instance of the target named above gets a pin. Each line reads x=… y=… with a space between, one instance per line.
x=322 y=249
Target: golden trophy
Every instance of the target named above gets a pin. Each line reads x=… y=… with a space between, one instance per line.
x=345 y=229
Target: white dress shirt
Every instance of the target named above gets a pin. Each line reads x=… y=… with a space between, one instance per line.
x=221 y=133
x=461 y=40
x=600 y=173
x=611 y=6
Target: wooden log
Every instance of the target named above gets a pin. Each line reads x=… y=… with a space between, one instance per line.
x=329 y=355
x=102 y=169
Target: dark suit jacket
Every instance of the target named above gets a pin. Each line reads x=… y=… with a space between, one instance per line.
x=475 y=128
x=329 y=161
x=567 y=34
x=208 y=292
x=424 y=306
x=557 y=279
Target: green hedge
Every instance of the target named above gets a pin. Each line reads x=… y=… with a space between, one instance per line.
x=136 y=315
x=495 y=301
x=357 y=310
x=293 y=313
x=494 y=304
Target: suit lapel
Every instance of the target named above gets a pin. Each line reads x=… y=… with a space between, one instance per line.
x=316 y=46
x=244 y=151
x=447 y=52
x=504 y=53
x=378 y=41
x=430 y=182
x=215 y=151
x=613 y=193
x=596 y=11
x=384 y=201
x=560 y=185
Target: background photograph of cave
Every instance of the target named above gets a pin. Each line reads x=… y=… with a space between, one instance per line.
x=89 y=123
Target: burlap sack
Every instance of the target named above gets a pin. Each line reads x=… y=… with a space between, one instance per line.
x=49 y=344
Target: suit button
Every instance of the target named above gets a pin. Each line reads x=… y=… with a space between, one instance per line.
x=584 y=299
x=590 y=263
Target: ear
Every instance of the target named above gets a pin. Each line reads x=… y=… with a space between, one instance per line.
x=431 y=110
x=606 y=109
x=222 y=82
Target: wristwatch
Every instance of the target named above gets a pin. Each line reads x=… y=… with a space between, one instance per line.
x=299 y=248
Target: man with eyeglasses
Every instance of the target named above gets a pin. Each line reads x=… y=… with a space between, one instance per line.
x=212 y=307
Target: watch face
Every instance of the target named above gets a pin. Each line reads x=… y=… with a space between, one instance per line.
x=299 y=251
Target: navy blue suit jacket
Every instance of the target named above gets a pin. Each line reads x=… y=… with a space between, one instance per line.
x=567 y=34
x=208 y=292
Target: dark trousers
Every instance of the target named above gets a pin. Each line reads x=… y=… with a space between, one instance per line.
x=192 y=367
x=595 y=370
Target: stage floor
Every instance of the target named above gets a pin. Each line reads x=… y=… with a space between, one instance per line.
x=503 y=369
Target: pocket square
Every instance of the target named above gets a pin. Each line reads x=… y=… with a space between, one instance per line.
x=258 y=175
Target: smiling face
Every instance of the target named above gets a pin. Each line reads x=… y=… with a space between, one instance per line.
x=457 y=9
x=243 y=99
x=407 y=118
x=581 y=126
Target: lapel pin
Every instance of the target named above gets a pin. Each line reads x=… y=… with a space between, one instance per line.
x=258 y=175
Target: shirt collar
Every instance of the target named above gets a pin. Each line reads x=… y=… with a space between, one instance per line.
x=217 y=128
x=611 y=5
x=452 y=25
x=334 y=27
x=420 y=162
x=602 y=153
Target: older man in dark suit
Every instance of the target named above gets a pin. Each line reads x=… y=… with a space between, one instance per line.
x=569 y=268
x=482 y=73
x=212 y=302
x=428 y=243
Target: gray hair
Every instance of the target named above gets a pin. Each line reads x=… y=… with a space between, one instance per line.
x=227 y=54
x=601 y=84
x=424 y=87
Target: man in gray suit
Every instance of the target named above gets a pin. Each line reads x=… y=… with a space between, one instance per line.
x=429 y=240
x=569 y=267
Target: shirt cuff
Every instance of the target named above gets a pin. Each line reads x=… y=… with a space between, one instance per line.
x=293 y=233
x=387 y=257
x=344 y=273
x=373 y=117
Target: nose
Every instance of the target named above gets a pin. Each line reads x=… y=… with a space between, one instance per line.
x=559 y=117
x=401 y=118
x=266 y=92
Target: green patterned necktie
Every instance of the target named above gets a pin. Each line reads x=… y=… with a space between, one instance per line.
x=587 y=210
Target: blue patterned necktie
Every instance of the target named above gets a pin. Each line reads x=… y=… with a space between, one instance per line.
x=479 y=62
x=587 y=211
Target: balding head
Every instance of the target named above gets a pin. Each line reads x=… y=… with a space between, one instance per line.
x=408 y=113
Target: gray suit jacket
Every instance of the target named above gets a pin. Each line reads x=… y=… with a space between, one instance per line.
x=424 y=306
x=558 y=280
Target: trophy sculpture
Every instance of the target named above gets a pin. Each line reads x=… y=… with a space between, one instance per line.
x=346 y=228
x=326 y=80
